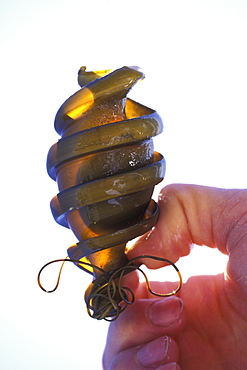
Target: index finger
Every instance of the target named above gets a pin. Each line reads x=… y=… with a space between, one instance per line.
x=191 y=214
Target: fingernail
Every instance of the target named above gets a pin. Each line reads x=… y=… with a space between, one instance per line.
x=166 y=311
x=153 y=353
x=171 y=366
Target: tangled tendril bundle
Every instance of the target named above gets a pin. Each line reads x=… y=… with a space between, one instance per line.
x=104 y=302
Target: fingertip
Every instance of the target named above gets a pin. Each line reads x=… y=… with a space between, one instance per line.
x=157 y=352
x=149 y=243
x=166 y=312
x=170 y=238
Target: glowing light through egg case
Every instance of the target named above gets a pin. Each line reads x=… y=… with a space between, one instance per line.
x=106 y=169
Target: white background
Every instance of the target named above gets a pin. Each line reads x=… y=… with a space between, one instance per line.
x=194 y=56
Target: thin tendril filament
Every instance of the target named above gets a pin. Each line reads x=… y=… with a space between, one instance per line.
x=106 y=297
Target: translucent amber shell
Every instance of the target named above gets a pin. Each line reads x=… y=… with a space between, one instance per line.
x=106 y=168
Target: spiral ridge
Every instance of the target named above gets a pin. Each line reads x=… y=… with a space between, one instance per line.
x=106 y=169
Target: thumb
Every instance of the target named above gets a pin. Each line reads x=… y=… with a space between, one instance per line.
x=191 y=214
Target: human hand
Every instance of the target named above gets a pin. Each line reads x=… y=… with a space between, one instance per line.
x=205 y=326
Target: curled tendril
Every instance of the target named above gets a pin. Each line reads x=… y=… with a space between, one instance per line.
x=63 y=260
x=108 y=300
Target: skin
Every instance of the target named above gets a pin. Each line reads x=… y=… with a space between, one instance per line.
x=210 y=331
